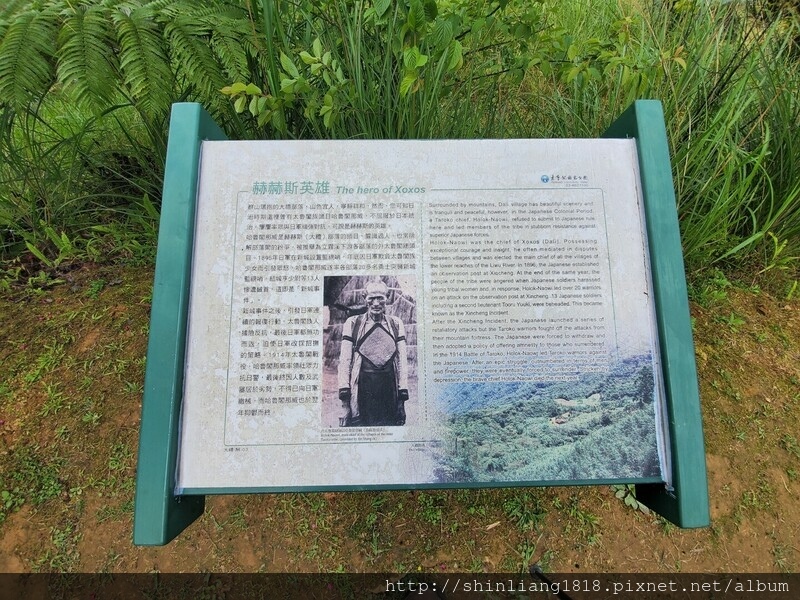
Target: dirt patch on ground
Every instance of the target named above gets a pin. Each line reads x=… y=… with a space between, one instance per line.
x=16 y=533
x=72 y=366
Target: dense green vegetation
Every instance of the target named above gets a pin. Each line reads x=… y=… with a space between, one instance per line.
x=600 y=426
x=86 y=85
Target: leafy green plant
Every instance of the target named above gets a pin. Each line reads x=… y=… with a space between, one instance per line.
x=46 y=362
x=37 y=479
x=10 y=274
x=64 y=247
x=776 y=258
x=64 y=555
x=120 y=457
x=526 y=551
x=525 y=511
x=733 y=321
x=133 y=387
x=385 y=69
x=581 y=521
x=792 y=289
x=64 y=172
x=94 y=289
x=86 y=89
x=627 y=493
x=729 y=85
x=146 y=53
x=10 y=501
x=789 y=443
x=54 y=401
x=91 y=418
x=431 y=505
x=710 y=289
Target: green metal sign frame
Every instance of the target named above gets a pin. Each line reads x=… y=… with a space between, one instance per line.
x=687 y=504
x=160 y=515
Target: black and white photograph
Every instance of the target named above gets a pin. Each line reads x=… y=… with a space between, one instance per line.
x=369 y=351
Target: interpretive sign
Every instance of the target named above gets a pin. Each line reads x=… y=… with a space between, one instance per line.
x=384 y=314
x=515 y=313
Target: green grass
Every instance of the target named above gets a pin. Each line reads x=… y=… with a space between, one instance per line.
x=80 y=179
x=29 y=475
x=82 y=183
x=76 y=186
x=580 y=522
x=729 y=85
x=430 y=507
x=46 y=362
x=54 y=401
x=790 y=444
x=525 y=510
x=62 y=555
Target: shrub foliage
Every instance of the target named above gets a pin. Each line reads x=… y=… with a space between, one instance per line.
x=86 y=86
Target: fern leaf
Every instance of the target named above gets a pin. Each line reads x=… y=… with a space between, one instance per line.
x=193 y=60
x=165 y=6
x=198 y=9
x=228 y=44
x=10 y=8
x=233 y=57
x=143 y=60
x=235 y=11
x=26 y=57
x=86 y=63
x=257 y=57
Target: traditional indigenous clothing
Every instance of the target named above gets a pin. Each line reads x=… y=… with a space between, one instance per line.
x=373 y=365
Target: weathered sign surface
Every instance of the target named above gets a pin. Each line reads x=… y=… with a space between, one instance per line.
x=516 y=317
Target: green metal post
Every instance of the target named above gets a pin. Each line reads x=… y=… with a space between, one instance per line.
x=159 y=515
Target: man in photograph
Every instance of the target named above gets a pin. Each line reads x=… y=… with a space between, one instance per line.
x=373 y=364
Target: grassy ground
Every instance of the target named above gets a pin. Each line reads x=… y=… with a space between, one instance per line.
x=72 y=351
x=71 y=371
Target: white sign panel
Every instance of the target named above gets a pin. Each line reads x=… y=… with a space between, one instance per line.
x=373 y=313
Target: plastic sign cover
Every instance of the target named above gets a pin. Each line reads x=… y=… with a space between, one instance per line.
x=402 y=313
